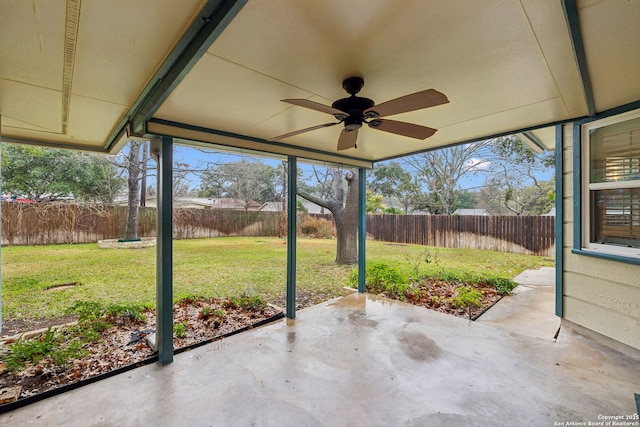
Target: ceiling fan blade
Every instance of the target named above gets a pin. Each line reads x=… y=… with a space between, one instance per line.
x=315 y=106
x=415 y=101
x=402 y=128
x=347 y=139
x=297 y=132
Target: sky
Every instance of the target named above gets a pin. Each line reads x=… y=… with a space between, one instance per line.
x=197 y=158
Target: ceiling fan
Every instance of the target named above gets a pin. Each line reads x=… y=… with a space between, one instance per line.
x=353 y=111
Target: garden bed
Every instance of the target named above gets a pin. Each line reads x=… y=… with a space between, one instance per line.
x=460 y=295
x=440 y=296
x=112 y=339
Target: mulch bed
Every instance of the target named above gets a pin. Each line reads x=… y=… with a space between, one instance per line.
x=438 y=294
x=124 y=345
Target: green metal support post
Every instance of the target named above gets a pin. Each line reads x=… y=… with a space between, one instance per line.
x=164 y=252
x=362 y=230
x=292 y=189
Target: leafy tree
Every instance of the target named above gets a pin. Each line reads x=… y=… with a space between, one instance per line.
x=344 y=207
x=491 y=197
x=515 y=171
x=464 y=199
x=45 y=174
x=535 y=199
x=441 y=171
x=392 y=180
x=374 y=203
x=102 y=182
x=246 y=180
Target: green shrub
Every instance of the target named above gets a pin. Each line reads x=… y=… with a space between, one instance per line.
x=132 y=312
x=191 y=298
x=383 y=278
x=94 y=312
x=71 y=350
x=502 y=284
x=204 y=313
x=247 y=301
x=96 y=317
x=180 y=330
x=467 y=297
x=50 y=344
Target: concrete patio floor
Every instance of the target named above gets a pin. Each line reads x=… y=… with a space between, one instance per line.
x=531 y=307
x=361 y=360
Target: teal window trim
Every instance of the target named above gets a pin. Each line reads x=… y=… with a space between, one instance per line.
x=607 y=256
x=577 y=186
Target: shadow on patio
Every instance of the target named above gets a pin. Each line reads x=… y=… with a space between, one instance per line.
x=362 y=360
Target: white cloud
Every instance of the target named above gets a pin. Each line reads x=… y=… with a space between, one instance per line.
x=474 y=164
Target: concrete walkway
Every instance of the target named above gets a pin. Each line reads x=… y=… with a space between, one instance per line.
x=361 y=360
x=530 y=310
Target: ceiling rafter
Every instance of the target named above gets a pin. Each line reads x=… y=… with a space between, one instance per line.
x=215 y=17
x=572 y=16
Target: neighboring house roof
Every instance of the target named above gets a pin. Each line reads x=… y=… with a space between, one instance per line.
x=228 y=203
x=277 y=207
x=201 y=203
x=272 y=207
x=479 y=212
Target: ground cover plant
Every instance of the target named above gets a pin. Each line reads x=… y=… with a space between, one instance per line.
x=457 y=282
x=40 y=283
x=108 y=337
x=220 y=285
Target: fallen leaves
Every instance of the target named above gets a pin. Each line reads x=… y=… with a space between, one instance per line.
x=124 y=345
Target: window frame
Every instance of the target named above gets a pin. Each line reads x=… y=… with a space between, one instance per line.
x=587 y=186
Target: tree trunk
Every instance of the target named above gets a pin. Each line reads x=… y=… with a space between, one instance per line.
x=143 y=174
x=345 y=214
x=133 y=169
x=347 y=240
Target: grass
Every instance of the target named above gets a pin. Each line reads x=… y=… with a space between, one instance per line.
x=214 y=268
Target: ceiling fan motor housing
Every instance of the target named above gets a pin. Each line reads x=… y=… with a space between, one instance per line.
x=354 y=106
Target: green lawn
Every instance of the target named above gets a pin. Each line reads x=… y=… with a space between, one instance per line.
x=212 y=267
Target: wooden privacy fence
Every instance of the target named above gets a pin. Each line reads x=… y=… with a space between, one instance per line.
x=46 y=224
x=532 y=235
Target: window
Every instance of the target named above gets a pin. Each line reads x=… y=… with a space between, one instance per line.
x=611 y=187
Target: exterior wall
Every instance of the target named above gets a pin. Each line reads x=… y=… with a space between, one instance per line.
x=599 y=294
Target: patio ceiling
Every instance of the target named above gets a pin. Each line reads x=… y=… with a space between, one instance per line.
x=88 y=74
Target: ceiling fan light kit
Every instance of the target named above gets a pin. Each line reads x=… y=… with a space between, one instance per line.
x=353 y=111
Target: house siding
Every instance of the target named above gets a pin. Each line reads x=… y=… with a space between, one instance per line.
x=598 y=294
